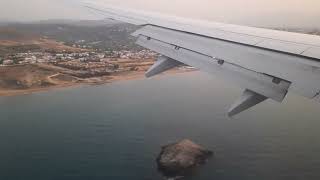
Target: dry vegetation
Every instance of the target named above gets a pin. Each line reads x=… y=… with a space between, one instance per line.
x=25 y=79
x=35 y=44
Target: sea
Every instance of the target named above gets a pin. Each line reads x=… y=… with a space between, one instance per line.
x=115 y=132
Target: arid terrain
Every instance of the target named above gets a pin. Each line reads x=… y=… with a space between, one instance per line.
x=34 y=44
x=29 y=78
x=44 y=56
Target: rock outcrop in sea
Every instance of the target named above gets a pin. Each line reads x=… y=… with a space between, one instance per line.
x=178 y=159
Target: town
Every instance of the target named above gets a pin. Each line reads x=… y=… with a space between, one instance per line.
x=80 y=57
x=85 y=64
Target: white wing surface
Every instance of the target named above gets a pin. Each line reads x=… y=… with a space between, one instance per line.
x=265 y=63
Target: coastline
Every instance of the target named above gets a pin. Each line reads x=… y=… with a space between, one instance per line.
x=134 y=75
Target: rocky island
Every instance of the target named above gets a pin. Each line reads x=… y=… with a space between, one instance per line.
x=176 y=160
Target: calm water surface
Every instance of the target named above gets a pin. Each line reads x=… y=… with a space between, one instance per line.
x=115 y=132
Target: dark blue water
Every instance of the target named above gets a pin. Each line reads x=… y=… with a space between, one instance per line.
x=115 y=132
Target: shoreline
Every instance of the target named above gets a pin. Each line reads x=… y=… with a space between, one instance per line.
x=102 y=80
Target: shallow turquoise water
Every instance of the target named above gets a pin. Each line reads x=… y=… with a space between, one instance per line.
x=115 y=131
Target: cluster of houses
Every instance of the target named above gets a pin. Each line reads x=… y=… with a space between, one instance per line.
x=45 y=57
x=77 y=65
x=143 y=54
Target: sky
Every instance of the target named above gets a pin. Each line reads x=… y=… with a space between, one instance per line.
x=261 y=13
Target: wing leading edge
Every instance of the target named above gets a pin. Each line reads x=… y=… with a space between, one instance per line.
x=266 y=63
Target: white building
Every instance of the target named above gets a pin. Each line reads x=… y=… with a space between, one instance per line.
x=8 y=62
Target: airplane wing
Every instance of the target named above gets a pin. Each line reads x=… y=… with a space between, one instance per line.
x=265 y=63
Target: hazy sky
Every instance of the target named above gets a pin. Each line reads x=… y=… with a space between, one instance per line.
x=283 y=13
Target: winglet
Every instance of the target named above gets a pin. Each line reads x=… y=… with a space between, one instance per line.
x=162 y=64
x=247 y=100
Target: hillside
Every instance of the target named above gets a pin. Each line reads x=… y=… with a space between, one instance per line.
x=102 y=35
